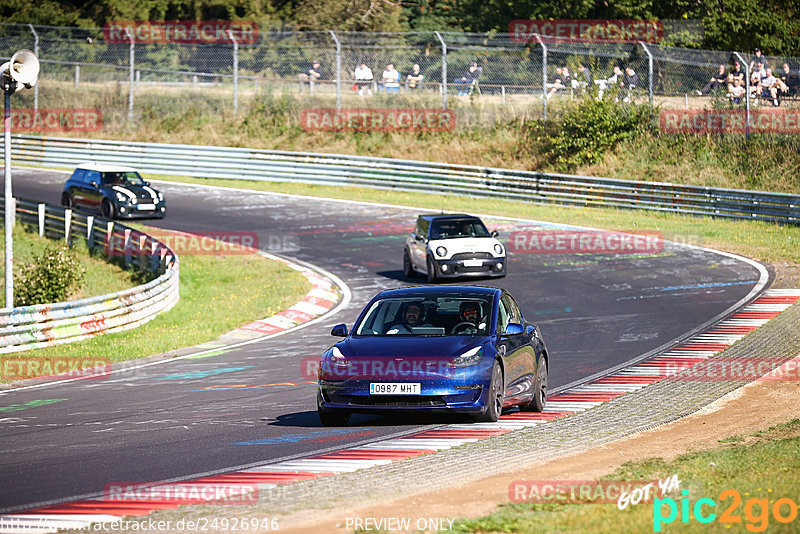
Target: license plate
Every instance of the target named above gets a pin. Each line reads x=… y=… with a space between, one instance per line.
x=146 y=207
x=473 y=263
x=395 y=388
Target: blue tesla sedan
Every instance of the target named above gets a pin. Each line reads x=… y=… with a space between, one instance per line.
x=448 y=349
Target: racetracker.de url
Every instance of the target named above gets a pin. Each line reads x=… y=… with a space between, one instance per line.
x=201 y=524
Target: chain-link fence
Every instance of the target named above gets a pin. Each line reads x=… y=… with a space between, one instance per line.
x=484 y=78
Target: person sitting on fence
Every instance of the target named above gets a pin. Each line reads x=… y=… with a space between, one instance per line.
x=559 y=82
x=737 y=72
x=611 y=81
x=735 y=90
x=769 y=88
x=582 y=78
x=629 y=84
x=788 y=83
x=717 y=80
x=311 y=76
x=364 y=79
x=391 y=79
x=414 y=80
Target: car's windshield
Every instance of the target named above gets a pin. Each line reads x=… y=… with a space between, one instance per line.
x=122 y=178
x=427 y=316
x=449 y=228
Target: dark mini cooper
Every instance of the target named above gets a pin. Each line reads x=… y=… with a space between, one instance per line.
x=450 y=349
x=116 y=192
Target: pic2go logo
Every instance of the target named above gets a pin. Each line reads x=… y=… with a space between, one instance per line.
x=756 y=511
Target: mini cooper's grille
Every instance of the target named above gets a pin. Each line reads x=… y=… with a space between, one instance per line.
x=472 y=256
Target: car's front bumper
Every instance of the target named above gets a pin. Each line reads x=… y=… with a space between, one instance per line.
x=456 y=268
x=132 y=211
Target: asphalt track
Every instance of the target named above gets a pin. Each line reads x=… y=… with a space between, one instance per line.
x=161 y=423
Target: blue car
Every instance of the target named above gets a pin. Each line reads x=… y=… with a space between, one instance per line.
x=434 y=349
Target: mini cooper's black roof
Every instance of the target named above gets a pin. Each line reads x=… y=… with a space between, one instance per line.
x=451 y=216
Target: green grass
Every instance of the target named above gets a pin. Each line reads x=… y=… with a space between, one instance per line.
x=766 y=467
x=760 y=240
x=218 y=293
x=100 y=277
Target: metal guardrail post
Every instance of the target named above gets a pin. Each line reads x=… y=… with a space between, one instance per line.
x=235 y=71
x=649 y=78
x=90 y=231
x=130 y=73
x=747 y=94
x=444 y=69
x=36 y=53
x=544 y=76
x=67 y=224
x=338 y=70
x=41 y=208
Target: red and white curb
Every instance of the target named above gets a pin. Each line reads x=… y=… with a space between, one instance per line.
x=80 y=514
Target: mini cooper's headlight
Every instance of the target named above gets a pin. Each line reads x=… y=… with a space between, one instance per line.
x=121 y=197
x=498 y=248
x=133 y=201
x=441 y=252
x=160 y=195
x=471 y=357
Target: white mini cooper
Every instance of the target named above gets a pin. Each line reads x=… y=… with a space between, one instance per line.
x=450 y=246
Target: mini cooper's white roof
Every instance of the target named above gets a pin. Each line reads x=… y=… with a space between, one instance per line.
x=105 y=167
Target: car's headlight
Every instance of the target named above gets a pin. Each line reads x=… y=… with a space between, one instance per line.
x=337 y=359
x=160 y=195
x=471 y=357
x=441 y=252
x=498 y=248
x=133 y=201
x=121 y=197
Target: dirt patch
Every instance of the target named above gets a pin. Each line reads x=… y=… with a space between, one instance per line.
x=757 y=406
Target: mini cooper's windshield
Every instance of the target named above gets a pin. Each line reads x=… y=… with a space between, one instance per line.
x=450 y=228
x=431 y=316
x=122 y=178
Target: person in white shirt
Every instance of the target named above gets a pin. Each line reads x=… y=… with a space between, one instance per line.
x=769 y=87
x=364 y=78
x=391 y=79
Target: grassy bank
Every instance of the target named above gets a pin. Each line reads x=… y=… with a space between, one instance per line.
x=761 y=468
x=99 y=278
x=582 y=136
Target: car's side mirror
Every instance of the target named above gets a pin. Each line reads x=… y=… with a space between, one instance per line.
x=340 y=330
x=147 y=183
x=495 y=233
x=93 y=183
x=419 y=237
x=514 y=329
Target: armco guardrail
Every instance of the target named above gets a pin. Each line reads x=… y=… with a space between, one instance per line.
x=27 y=327
x=407 y=175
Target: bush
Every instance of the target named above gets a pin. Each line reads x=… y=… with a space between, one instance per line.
x=50 y=277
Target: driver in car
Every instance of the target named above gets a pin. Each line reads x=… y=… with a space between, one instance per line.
x=412 y=316
x=469 y=314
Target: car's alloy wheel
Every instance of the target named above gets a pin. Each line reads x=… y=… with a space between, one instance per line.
x=539 y=400
x=107 y=209
x=494 y=404
x=408 y=269
x=431 y=271
x=66 y=200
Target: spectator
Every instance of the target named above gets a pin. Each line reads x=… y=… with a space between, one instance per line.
x=629 y=84
x=735 y=90
x=717 y=80
x=414 y=80
x=789 y=84
x=582 y=79
x=612 y=80
x=469 y=81
x=769 y=88
x=758 y=58
x=364 y=78
x=559 y=82
x=311 y=76
x=391 y=79
x=755 y=79
x=738 y=72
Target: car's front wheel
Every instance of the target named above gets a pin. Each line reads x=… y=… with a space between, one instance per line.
x=539 y=400
x=494 y=404
x=333 y=418
x=431 y=270
x=107 y=209
x=66 y=200
x=408 y=269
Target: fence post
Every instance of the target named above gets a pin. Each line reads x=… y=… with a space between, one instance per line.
x=67 y=224
x=235 y=71
x=36 y=53
x=90 y=231
x=130 y=73
x=338 y=70
x=444 y=70
x=42 y=207
x=649 y=78
x=77 y=75
x=747 y=94
x=127 y=246
x=544 y=76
